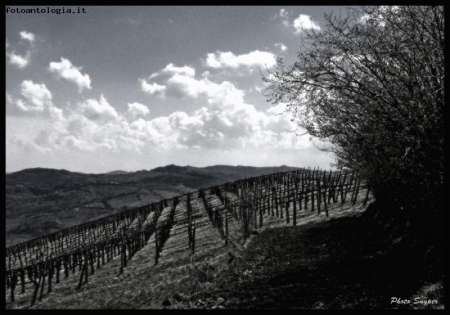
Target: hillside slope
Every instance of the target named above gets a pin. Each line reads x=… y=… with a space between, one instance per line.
x=193 y=251
x=41 y=201
x=343 y=263
x=104 y=263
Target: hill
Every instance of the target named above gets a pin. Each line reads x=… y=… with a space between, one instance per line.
x=117 y=172
x=41 y=201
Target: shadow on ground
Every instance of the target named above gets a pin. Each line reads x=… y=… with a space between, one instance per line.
x=349 y=262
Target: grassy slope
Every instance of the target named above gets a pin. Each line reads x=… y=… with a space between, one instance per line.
x=144 y=285
x=343 y=263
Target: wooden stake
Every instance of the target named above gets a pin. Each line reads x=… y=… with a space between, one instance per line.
x=287 y=210
x=319 y=197
x=36 y=289
x=294 y=217
x=367 y=196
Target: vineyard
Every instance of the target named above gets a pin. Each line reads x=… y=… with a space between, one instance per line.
x=226 y=214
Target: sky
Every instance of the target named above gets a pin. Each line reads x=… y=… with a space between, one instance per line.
x=137 y=87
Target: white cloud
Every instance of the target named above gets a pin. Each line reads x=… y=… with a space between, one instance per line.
x=224 y=94
x=164 y=74
x=19 y=61
x=36 y=96
x=281 y=46
x=171 y=69
x=253 y=59
x=55 y=113
x=93 y=125
x=137 y=109
x=284 y=17
x=66 y=70
x=277 y=109
x=25 y=144
x=153 y=88
x=304 y=22
x=225 y=122
x=37 y=99
x=98 y=110
x=27 y=36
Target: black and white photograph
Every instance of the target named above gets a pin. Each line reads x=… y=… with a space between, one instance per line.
x=224 y=157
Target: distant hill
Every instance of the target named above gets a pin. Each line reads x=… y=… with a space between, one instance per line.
x=41 y=200
x=248 y=171
x=43 y=176
x=171 y=169
x=118 y=172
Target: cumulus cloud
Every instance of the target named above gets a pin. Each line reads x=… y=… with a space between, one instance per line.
x=172 y=69
x=66 y=70
x=36 y=97
x=304 y=22
x=137 y=109
x=284 y=17
x=283 y=13
x=92 y=125
x=19 y=61
x=153 y=88
x=27 y=36
x=224 y=122
x=277 y=109
x=224 y=94
x=253 y=59
x=98 y=110
x=281 y=46
x=26 y=145
x=164 y=74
